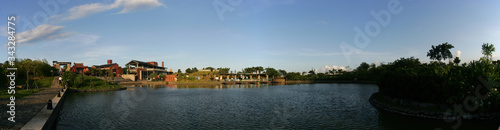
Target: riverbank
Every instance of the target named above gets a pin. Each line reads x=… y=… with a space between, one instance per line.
x=425 y=110
x=27 y=107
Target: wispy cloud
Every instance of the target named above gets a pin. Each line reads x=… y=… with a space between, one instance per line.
x=3 y=31
x=135 y=5
x=93 y=8
x=42 y=33
x=51 y=32
x=323 y=23
x=313 y=52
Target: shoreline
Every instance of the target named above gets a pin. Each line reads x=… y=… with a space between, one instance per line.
x=421 y=110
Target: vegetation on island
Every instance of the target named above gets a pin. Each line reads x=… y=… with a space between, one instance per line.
x=475 y=83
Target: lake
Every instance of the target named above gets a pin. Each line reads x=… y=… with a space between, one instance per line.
x=300 y=106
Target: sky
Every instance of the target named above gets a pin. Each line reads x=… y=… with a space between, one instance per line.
x=294 y=35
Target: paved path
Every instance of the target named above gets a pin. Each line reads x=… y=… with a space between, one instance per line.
x=27 y=107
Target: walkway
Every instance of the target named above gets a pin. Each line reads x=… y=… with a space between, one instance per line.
x=27 y=107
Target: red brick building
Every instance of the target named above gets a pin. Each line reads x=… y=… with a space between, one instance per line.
x=143 y=69
x=114 y=67
x=79 y=68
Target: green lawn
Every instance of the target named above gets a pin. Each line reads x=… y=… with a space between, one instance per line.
x=89 y=83
x=42 y=83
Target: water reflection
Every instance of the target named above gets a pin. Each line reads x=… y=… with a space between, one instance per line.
x=252 y=106
x=211 y=86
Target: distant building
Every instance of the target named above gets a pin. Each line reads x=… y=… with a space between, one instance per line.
x=143 y=69
x=79 y=68
x=114 y=67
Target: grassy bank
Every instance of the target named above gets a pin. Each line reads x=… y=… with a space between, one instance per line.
x=42 y=83
x=84 y=83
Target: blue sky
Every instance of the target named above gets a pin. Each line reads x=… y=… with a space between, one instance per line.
x=295 y=35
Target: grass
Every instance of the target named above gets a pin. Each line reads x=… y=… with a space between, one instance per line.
x=88 y=83
x=42 y=83
x=19 y=93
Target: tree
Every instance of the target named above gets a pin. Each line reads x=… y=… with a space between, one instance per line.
x=223 y=70
x=27 y=65
x=179 y=71
x=188 y=70
x=488 y=50
x=209 y=68
x=311 y=72
x=363 y=67
x=282 y=72
x=152 y=75
x=440 y=52
x=272 y=72
x=195 y=69
x=248 y=70
x=456 y=60
x=259 y=69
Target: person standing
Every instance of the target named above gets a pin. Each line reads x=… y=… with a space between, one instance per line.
x=60 y=80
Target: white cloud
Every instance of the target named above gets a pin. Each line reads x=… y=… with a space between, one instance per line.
x=458 y=53
x=52 y=32
x=328 y=68
x=83 y=39
x=133 y=5
x=89 y=9
x=85 y=10
x=42 y=32
x=323 y=23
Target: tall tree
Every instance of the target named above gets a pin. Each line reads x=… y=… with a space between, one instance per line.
x=282 y=72
x=259 y=69
x=488 y=50
x=363 y=67
x=440 y=52
x=456 y=60
x=179 y=71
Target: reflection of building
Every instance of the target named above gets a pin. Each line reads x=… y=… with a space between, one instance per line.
x=142 y=70
x=115 y=69
x=79 y=68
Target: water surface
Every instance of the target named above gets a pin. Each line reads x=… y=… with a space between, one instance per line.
x=302 y=106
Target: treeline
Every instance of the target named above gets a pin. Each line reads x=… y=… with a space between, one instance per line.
x=476 y=82
x=28 y=71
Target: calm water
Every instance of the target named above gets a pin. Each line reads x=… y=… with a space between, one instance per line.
x=304 y=106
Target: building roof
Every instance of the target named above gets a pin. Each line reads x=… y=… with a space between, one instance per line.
x=79 y=65
x=144 y=64
x=105 y=65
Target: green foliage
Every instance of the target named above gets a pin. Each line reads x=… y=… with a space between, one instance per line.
x=440 y=52
x=434 y=82
x=209 y=68
x=223 y=70
x=152 y=75
x=487 y=50
x=272 y=72
x=456 y=60
x=363 y=67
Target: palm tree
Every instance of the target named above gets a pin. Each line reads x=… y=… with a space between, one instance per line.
x=440 y=52
x=488 y=50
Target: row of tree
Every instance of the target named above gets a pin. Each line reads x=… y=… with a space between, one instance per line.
x=28 y=71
